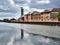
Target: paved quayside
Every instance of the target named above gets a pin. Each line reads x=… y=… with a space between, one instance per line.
x=10 y=34
x=50 y=31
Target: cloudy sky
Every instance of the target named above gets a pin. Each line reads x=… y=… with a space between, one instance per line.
x=11 y=8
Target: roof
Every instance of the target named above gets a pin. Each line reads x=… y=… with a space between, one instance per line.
x=55 y=10
x=45 y=11
x=35 y=12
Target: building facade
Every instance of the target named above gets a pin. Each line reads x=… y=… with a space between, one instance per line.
x=42 y=16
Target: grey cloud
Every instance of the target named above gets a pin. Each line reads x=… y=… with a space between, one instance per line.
x=7 y=7
x=19 y=2
x=56 y=2
x=8 y=11
x=52 y=4
x=7 y=16
x=45 y=6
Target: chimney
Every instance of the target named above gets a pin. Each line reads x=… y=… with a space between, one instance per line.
x=22 y=11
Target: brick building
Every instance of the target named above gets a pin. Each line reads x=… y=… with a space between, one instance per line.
x=25 y=17
x=53 y=13
x=47 y=15
x=37 y=17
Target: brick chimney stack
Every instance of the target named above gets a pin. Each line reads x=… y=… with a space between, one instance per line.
x=22 y=11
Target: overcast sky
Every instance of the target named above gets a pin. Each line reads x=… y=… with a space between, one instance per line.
x=11 y=8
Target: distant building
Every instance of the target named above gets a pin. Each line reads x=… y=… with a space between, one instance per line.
x=37 y=16
x=26 y=17
x=31 y=16
x=47 y=15
x=53 y=13
x=5 y=20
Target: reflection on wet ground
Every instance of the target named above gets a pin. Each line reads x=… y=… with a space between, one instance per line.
x=30 y=39
x=12 y=36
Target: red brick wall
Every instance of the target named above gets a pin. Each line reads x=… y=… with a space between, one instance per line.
x=36 y=17
x=26 y=18
x=29 y=17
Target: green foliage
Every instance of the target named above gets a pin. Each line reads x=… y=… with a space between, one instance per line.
x=58 y=15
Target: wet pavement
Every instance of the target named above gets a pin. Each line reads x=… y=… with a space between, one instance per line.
x=11 y=35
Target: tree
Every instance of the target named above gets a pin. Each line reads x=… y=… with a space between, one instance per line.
x=13 y=19
x=58 y=16
x=5 y=20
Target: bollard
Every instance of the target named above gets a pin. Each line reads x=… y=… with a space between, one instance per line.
x=22 y=33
